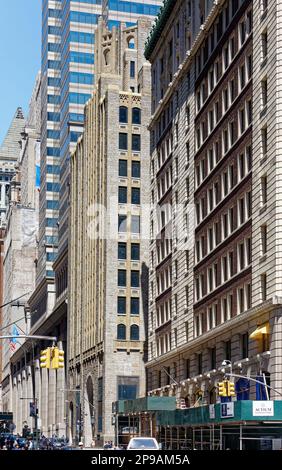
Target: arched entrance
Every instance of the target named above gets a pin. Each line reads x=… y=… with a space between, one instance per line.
x=89 y=412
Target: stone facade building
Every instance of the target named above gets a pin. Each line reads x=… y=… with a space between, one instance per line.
x=215 y=292
x=109 y=254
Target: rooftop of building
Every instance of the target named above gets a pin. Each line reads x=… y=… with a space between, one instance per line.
x=160 y=22
x=10 y=147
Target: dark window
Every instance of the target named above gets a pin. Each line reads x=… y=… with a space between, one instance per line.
x=121 y=332
x=228 y=350
x=136 y=116
x=132 y=69
x=122 y=277
x=135 y=172
x=122 y=141
x=122 y=223
x=134 y=332
x=122 y=194
x=123 y=114
x=136 y=142
x=122 y=168
x=245 y=345
x=135 y=251
x=135 y=196
x=213 y=358
x=134 y=278
x=122 y=305
x=234 y=6
x=134 y=306
x=187 y=363
x=122 y=251
x=128 y=388
x=200 y=363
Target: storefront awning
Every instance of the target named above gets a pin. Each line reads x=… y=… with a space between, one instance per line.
x=260 y=331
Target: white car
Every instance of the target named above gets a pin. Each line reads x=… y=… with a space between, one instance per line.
x=143 y=443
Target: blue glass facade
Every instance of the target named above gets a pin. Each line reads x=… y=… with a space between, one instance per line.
x=68 y=38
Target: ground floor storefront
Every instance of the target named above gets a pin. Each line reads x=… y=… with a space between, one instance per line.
x=238 y=425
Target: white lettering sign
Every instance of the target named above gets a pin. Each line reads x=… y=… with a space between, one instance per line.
x=263 y=408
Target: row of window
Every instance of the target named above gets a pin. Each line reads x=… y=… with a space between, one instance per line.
x=122 y=195
x=163 y=313
x=123 y=220
x=134 y=278
x=135 y=115
x=220 y=272
x=222 y=311
x=134 y=251
x=121 y=332
x=135 y=142
x=164 y=280
x=123 y=169
x=134 y=305
x=164 y=248
x=165 y=182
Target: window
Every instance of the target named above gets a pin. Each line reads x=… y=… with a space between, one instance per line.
x=135 y=252
x=123 y=141
x=122 y=277
x=135 y=170
x=122 y=251
x=228 y=350
x=264 y=45
x=134 y=333
x=121 y=332
x=264 y=92
x=135 y=224
x=134 y=278
x=263 y=184
x=132 y=69
x=136 y=116
x=263 y=232
x=245 y=345
x=123 y=114
x=136 y=142
x=122 y=195
x=200 y=363
x=122 y=168
x=213 y=358
x=264 y=141
x=263 y=282
x=122 y=223
x=134 y=306
x=135 y=196
x=121 y=305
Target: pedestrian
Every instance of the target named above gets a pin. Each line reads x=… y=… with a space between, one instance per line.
x=93 y=443
x=81 y=445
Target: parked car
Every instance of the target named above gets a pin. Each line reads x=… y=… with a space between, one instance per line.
x=142 y=443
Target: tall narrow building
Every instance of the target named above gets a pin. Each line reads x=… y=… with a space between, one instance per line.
x=109 y=254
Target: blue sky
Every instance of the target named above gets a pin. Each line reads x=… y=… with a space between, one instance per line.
x=20 y=44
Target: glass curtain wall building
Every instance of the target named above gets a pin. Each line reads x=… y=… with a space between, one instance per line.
x=68 y=36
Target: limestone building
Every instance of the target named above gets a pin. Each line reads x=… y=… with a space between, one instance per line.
x=215 y=292
x=109 y=253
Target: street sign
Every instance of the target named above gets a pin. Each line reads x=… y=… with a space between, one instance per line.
x=227 y=410
x=212 y=411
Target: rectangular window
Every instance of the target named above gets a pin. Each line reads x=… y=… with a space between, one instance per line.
x=135 y=252
x=132 y=69
x=200 y=363
x=264 y=141
x=264 y=92
x=122 y=168
x=135 y=170
x=263 y=181
x=228 y=350
x=263 y=282
x=213 y=358
x=135 y=196
x=136 y=142
x=135 y=278
x=245 y=345
x=122 y=251
x=121 y=305
x=263 y=231
x=122 y=141
x=122 y=278
x=122 y=195
x=134 y=306
x=264 y=45
x=122 y=223
x=135 y=224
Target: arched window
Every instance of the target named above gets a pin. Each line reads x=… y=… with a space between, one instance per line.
x=107 y=56
x=134 y=332
x=121 y=331
x=131 y=43
x=123 y=114
x=136 y=116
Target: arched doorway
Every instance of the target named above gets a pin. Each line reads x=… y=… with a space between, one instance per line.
x=89 y=412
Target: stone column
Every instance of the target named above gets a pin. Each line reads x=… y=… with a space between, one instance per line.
x=44 y=401
x=19 y=404
x=3 y=195
x=14 y=400
x=60 y=402
x=26 y=399
x=29 y=393
x=52 y=401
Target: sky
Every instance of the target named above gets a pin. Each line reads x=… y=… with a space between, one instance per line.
x=20 y=49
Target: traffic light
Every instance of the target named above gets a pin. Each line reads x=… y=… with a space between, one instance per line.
x=45 y=359
x=222 y=389
x=231 y=389
x=57 y=358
